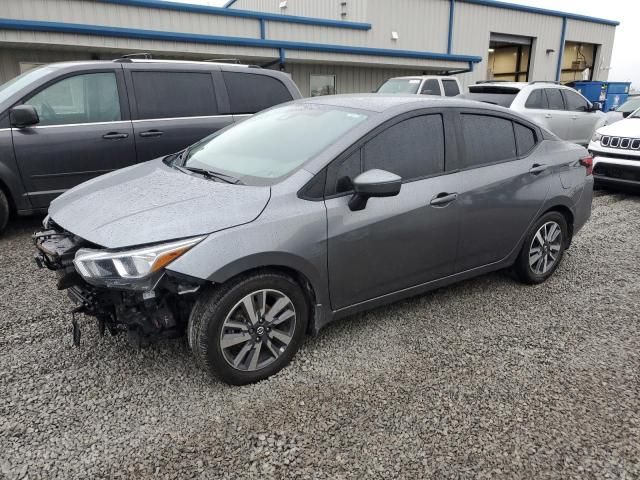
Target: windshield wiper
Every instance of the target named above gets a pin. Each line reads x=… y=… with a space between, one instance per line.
x=212 y=175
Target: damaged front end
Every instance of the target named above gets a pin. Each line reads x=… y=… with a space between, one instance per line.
x=125 y=291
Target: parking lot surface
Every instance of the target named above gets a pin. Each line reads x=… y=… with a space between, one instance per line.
x=485 y=379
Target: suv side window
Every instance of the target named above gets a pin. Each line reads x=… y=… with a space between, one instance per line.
x=451 y=88
x=431 y=87
x=487 y=139
x=575 y=102
x=174 y=94
x=554 y=99
x=85 y=98
x=412 y=148
x=537 y=99
x=250 y=92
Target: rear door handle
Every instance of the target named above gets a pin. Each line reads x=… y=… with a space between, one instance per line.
x=443 y=199
x=151 y=133
x=537 y=168
x=548 y=115
x=115 y=136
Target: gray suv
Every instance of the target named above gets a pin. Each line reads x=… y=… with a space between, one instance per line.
x=311 y=211
x=63 y=124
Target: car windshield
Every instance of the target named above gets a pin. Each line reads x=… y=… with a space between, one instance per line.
x=400 y=85
x=16 y=84
x=635 y=114
x=272 y=144
x=630 y=105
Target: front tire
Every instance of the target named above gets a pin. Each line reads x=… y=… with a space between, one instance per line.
x=4 y=211
x=250 y=328
x=543 y=249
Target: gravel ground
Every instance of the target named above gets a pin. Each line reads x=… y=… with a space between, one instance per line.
x=485 y=379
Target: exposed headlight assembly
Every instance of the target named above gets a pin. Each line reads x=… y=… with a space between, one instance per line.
x=596 y=137
x=137 y=269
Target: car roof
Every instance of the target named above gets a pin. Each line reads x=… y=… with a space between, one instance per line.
x=376 y=102
x=79 y=63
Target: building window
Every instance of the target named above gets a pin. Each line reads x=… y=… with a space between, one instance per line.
x=322 y=85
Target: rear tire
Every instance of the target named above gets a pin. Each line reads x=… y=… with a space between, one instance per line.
x=543 y=249
x=239 y=347
x=4 y=211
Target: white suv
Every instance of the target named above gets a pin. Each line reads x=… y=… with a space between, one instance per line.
x=616 y=153
x=560 y=109
x=423 y=85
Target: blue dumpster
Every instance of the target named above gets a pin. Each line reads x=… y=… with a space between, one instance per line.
x=617 y=94
x=592 y=91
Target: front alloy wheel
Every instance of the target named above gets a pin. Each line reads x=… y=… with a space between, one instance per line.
x=249 y=328
x=258 y=329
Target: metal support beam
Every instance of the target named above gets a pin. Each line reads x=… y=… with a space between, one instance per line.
x=452 y=6
x=561 y=49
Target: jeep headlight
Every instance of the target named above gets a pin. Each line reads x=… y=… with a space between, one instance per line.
x=596 y=137
x=137 y=269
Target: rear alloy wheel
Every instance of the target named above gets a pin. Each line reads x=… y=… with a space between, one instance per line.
x=543 y=249
x=4 y=211
x=250 y=329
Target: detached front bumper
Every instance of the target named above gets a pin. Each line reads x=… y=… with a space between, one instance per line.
x=616 y=169
x=158 y=313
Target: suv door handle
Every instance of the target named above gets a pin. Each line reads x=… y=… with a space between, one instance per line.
x=151 y=133
x=537 y=168
x=115 y=136
x=548 y=115
x=443 y=199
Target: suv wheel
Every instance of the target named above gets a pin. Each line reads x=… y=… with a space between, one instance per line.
x=249 y=329
x=4 y=211
x=543 y=249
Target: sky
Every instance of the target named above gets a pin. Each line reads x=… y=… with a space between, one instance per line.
x=625 y=62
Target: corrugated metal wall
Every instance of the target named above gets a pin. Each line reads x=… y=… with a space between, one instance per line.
x=348 y=79
x=10 y=59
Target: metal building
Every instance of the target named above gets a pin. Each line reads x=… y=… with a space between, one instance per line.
x=328 y=46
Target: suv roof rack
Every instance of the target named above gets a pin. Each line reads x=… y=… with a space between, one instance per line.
x=479 y=82
x=545 y=81
x=129 y=56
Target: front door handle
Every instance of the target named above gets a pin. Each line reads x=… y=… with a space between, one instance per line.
x=115 y=135
x=443 y=199
x=537 y=168
x=151 y=133
x=548 y=115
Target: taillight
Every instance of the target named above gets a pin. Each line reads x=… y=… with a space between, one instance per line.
x=587 y=162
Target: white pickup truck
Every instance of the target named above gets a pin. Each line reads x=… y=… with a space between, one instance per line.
x=423 y=85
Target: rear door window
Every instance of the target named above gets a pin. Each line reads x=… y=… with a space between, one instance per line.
x=412 y=148
x=451 y=88
x=487 y=139
x=431 y=87
x=174 y=94
x=537 y=99
x=554 y=99
x=86 y=98
x=574 y=101
x=250 y=92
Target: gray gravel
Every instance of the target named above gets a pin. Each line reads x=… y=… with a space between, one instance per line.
x=485 y=379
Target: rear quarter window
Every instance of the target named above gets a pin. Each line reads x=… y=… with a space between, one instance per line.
x=525 y=138
x=250 y=92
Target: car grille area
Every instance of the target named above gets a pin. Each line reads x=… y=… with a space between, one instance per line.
x=624 y=143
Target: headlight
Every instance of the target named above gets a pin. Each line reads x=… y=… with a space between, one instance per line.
x=596 y=137
x=132 y=269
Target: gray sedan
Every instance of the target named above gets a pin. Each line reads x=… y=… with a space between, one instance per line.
x=311 y=211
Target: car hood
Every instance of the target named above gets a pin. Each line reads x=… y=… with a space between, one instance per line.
x=629 y=127
x=152 y=202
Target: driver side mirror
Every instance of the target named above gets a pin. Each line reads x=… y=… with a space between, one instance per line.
x=373 y=183
x=23 y=116
x=595 y=106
